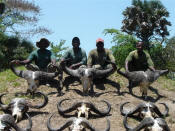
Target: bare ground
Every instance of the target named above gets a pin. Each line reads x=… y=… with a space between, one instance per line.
x=113 y=90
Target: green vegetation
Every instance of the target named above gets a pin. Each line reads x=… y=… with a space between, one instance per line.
x=8 y=78
x=146 y=19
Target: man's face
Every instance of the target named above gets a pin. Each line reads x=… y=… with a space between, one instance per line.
x=100 y=46
x=139 y=46
x=43 y=45
x=75 y=45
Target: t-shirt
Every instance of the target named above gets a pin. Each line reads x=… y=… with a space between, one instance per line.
x=139 y=61
x=98 y=58
x=79 y=56
x=41 y=57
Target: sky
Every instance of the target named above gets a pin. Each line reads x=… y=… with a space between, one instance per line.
x=87 y=20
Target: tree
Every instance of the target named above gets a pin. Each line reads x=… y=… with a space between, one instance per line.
x=58 y=49
x=169 y=53
x=124 y=44
x=18 y=15
x=13 y=48
x=146 y=20
x=2 y=7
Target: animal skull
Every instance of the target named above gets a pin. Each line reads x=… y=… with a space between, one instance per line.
x=19 y=106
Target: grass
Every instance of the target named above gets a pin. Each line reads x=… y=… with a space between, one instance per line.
x=166 y=83
x=8 y=78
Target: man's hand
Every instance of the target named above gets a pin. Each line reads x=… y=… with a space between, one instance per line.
x=152 y=68
x=75 y=66
x=16 y=62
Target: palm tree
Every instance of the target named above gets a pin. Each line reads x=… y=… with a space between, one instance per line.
x=146 y=20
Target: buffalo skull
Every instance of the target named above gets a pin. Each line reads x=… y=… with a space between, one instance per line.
x=76 y=124
x=83 y=108
x=145 y=110
x=87 y=75
x=142 y=79
x=32 y=77
x=7 y=122
x=148 y=124
x=18 y=106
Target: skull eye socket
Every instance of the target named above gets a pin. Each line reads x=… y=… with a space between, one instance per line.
x=145 y=108
x=21 y=107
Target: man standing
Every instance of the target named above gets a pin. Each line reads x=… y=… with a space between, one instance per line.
x=98 y=58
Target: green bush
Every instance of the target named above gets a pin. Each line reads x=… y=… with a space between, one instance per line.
x=11 y=47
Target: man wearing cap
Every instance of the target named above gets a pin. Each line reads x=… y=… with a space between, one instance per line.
x=139 y=59
x=76 y=56
x=98 y=57
x=44 y=59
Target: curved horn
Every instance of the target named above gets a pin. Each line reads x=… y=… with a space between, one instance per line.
x=162 y=72
x=122 y=73
x=87 y=125
x=15 y=71
x=102 y=73
x=163 y=124
x=43 y=74
x=2 y=105
x=102 y=113
x=11 y=121
x=157 y=111
x=71 y=72
x=144 y=123
x=68 y=123
x=73 y=107
x=137 y=109
x=42 y=104
x=29 y=126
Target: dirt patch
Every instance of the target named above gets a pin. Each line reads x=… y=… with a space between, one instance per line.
x=113 y=90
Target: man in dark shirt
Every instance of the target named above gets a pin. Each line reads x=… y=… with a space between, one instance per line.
x=76 y=55
x=44 y=59
x=139 y=60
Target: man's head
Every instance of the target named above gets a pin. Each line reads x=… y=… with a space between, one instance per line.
x=139 y=45
x=100 y=44
x=43 y=43
x=75 y=42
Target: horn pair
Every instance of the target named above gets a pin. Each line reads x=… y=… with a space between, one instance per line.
x=9 y=120
x=7 y=107
x=147 y=122
x=78 y=104
x=71 y=121
x=140 y=106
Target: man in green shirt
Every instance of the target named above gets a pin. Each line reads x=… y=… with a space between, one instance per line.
x=76 y=55
x=139 y=60
x=44 y=59
x=98 y=57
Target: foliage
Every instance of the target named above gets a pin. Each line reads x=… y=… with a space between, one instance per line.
x=2 y=7
x=169 y=53
x=124 y=44
x=13 y=48
x=57 y=49
x=156 y=52
x=146 y=20
x=20 y=14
